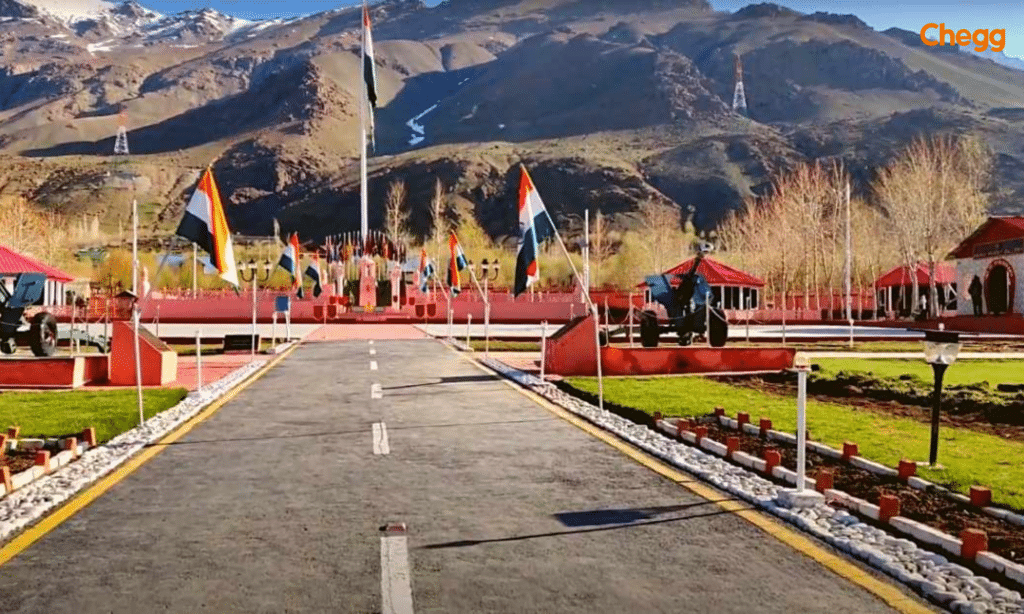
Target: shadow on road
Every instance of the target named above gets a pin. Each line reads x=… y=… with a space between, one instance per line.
x=463 y=543
x=457 y=379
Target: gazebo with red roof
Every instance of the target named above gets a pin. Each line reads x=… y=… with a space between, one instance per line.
x=12 y=264
x=994 y=253
x=895 y=288
x=736 y=289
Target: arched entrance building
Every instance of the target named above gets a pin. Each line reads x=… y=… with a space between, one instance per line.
x=994 y=254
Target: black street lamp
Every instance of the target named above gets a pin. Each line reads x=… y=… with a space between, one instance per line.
x=940 y=350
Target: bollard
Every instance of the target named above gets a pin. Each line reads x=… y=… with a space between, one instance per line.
x=199 y=363
x=772 y=459
x=5 y=479
x=543 y=347
x=766 y=425
x=682 y=425
x=469 y=322
x=849 y=450
x=700 y=432
x=732 y=445
x=981 y=496
x=43 y=460
x=888 y=507
x=907 y=470
x=824 y=480
x=13 y=432
x=3 y=445
x=657 y=417
x=974 y=541
x=742 y=418
x=89 y=436
x=719 y=411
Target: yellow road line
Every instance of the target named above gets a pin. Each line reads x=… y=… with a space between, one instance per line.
x=84 y=498
x=885 y=591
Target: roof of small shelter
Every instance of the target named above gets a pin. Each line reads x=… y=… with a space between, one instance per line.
x=13 y=263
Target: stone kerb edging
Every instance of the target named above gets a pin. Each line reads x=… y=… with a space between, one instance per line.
x=44 y=462
x=862 y=463
x=953 y=586
x=921 y=532
x=27 y=504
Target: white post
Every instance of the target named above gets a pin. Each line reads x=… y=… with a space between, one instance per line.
x=607 y=321
x=288 y=325
x=630 y=317
x=543 y=347
x=199 y=361
x=255 y=278
x=487 y=329
x=451 y=323
x=138 y=365
x=273 y=330
x=597 y=343
x=363 y=222
x=586 y=250
x=801 y=427
x=469 y=322
x=135 y=247
x=156 y=324
x=848 y=273
x=707 y=318
x=195 y=270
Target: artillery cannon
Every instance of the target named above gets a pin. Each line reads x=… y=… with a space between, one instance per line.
x=39 y=331
x=690 y=305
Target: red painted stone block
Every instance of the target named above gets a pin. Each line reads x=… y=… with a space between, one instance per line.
x=743 y=418
x=974 y=541
x=823 y=480
x=772 y=459
x=13 y=432
x=907 y=469
x=719 y=411
x=71 y=443
x=43 y=459
x=888 y=507
x=5 y=478
x=701 y=432
x=849 y=450
x=732 y=444
x=657 y=416
x=981 y=496
x=766 y=425
x=3 y=445
x=89 y=436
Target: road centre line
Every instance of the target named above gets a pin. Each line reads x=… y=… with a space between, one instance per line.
x=373 y=365
x=395 y=577
x=381 y=447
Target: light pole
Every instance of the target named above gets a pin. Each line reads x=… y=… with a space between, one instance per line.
x=249 y=271
x=801 y=496
x=941 y=349
x=485 y=269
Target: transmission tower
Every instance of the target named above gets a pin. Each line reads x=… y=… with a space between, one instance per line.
x=739 y=97
x=121 y=152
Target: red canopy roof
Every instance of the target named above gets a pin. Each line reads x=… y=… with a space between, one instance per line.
x=945 y=273
x=717 y=274
x=994 y=230
x=12 y=263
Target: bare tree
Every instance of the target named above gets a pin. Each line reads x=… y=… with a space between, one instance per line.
x=438 y=223
x=600 y=245
x=661 y=225
x=396 y=213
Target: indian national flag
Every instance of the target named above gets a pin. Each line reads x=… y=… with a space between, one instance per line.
x=205 y=225
x=457 y=263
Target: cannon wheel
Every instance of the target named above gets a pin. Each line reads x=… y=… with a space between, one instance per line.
x=650 y=331
x=8 y=346
x=719 y=332
x=43 y=334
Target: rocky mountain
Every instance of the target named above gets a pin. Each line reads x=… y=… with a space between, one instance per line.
x=610 y=102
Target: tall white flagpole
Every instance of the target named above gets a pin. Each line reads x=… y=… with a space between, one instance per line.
x=362 y=137
x=136 y=308
x=848 y=273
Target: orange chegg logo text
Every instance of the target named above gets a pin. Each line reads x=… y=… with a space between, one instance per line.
x=981 y=38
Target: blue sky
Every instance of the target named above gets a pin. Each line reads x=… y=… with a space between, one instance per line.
x=879 y=14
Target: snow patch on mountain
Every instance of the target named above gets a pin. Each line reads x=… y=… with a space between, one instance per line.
x=1000 y=57
x=71 y=11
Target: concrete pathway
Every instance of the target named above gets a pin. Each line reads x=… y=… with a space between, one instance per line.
x=275 y=504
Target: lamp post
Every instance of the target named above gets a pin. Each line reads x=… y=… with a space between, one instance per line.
x=249 y=271
x=941 y=349
x=485 y=269
x=800 y=496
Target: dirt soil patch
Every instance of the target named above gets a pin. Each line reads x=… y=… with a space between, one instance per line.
x=18 y=460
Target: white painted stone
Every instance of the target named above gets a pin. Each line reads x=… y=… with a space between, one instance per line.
x=799 y=499
x=689 y=437
x=868 y=509
x=781 y=473
x=64 y=457
x=751 y=429
x=22 y=478
x=713 y=446
x=30 y=445
x=996 y=512
x=918 y=483
x=865 y=464
x=744 y=459
x=759 y=465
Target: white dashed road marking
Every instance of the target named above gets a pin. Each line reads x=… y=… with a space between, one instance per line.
x=395 y=580
x=381 y=446
x=376 y=392
x=373 y=352
x=373 y=365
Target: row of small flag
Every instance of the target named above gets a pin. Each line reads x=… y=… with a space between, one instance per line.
x=205 y=224
x=348 y=246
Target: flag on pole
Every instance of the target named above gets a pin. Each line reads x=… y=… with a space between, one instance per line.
x=369 y=68
x=457 y=263
x=426 y=271
x=205 y=225
x=290 y=262
x=313 y=272
x=534 y=227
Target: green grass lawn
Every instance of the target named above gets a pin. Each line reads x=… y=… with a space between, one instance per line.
x=962 y=372
x=59 y=413
x=507 y=346
x=969 y=457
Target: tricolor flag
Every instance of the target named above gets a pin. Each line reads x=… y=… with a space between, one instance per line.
x=290 y=262
x=313 y=272
x=534 y=227
x=369 y=66
x=205 y=225
x=426 y=271
x=457 y=263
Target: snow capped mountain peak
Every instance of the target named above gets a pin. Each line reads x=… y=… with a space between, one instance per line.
x=71 y=11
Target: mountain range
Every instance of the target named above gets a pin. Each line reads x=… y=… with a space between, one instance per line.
x=610 y=103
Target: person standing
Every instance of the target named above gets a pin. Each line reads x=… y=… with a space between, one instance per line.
x=975 y=290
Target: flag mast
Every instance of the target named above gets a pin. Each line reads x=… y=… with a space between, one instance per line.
x=362 y=136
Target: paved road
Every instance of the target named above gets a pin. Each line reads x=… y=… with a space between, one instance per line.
x=275 y=503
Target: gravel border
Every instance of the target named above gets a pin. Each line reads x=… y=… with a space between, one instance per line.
x=947 y=584
x=28 y=504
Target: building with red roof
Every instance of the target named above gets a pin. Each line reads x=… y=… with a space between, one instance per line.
x=736 y=289
x=992 y=256
x=12 y=264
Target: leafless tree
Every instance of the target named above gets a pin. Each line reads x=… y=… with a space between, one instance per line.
x=661 y=225
x=396 y=212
